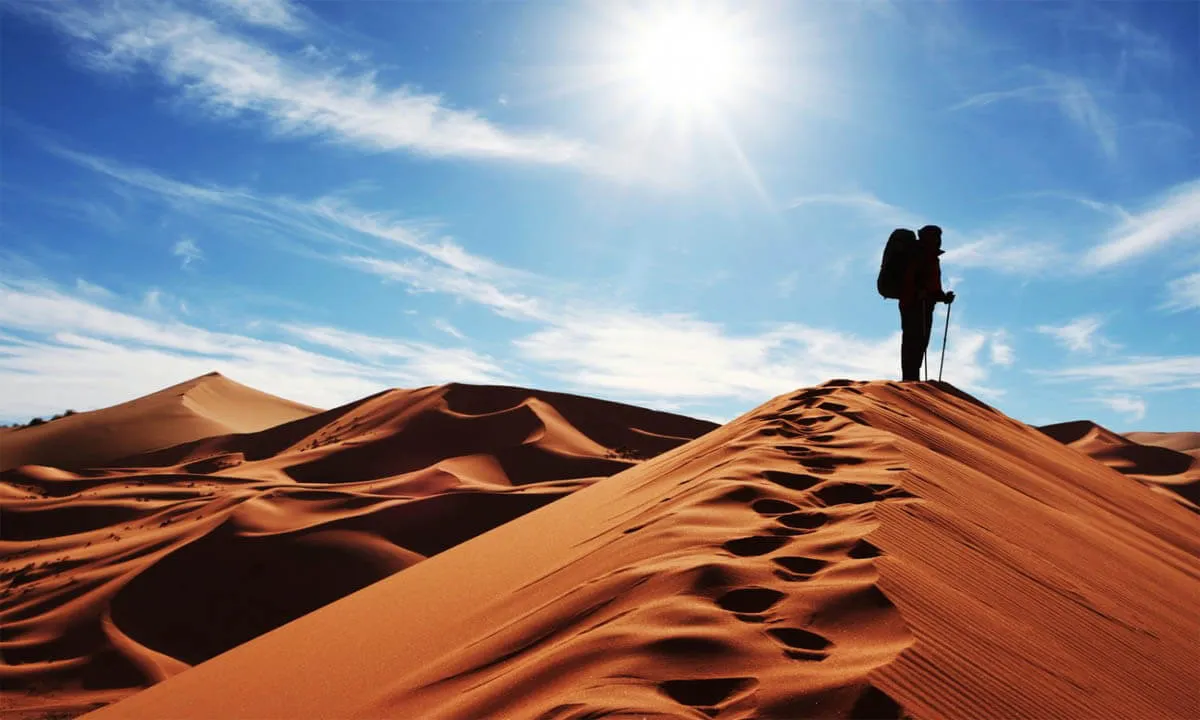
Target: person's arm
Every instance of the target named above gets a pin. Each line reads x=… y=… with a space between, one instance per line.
x=932 y=286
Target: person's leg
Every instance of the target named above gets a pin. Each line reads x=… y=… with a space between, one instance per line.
x=910 y=343
x=927 y=326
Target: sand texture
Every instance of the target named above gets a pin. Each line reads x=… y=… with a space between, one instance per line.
x=208 y=405
x=115 y=578
x=864 y=550
x=1167 y=463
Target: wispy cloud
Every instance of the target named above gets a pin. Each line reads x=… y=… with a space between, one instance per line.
x=1001 y=349
x=1184 y=293
x=1138 y=372
x=228 y=73
x=874 y=210
x=449 y=329
x=1072 y=96
x=87 y=288
x=680 y=356
x=426 y=277
x=278 y=14
x=1079 y=335
x=74 y=341
x=1174 y=217
x=440 y=265
x=998 y=251
x=1134 y=407
x=187 y=251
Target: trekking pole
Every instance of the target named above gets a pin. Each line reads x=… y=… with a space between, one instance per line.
x=944 y=334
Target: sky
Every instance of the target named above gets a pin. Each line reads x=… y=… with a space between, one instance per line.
x=680 y=205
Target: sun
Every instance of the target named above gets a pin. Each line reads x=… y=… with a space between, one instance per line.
x=685 y=58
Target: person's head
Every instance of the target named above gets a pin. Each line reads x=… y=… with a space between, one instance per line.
x=931 y=235
x=902 y=234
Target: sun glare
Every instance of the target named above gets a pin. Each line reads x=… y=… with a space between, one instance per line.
x=686 y=59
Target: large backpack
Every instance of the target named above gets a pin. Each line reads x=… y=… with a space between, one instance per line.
x=900 y=247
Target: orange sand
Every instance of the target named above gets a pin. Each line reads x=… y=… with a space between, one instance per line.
x=116 y=578
x=854 y=550
x=201 y=407
x=1167 y=463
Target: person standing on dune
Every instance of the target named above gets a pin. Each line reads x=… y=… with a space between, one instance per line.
x=920 y=291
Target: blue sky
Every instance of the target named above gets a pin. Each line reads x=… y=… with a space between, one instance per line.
x=322 y=200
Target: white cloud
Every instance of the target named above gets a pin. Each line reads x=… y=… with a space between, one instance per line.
x=1184 y=293
x=88 y=288
x=876 y=211
x=278 y=14
x=997 y=251
x=230 y=74
x=1141 y=372
x=1079 y=335
x=423 y=359
x=678 y=356
x=187 y=250
x=1134 y=407
x=83 y=355
x=447 y=328
x=440 y=266
x=424 y=277
x=152 y=301
x=1175 y=217
x=1001 y=348
x=787 y=284
x=1073 y=97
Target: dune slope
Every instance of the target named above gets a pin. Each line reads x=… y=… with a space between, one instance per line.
x=118 y=578
x=855 y=550
x=1167 y=463
x=207 y=405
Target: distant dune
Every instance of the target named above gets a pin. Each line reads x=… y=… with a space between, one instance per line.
x=116 y=578
x=1168 y=463
x=201 y=407
x=1184 y=442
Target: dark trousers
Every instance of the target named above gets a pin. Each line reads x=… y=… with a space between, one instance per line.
x=916 y=320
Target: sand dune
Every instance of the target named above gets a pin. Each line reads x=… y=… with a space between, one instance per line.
x=1184 y=442
x=201 y=407
x=854 y=550
x=116 y=578
x=1168 y=463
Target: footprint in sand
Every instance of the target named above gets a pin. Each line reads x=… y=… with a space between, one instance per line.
x=706 y=692
x=755 y=545
x=811 y=420
x=778 y=431
x=797 y=567
x=789 y=480
x=846 y=493
x=863 y=549
x=803 y=520
x=825 y=463
x=771 y=506
x=801 y=644
x=750 y=599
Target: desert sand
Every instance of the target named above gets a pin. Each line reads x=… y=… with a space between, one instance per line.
x=854 y=550
x=1167 y=463
x=118 y=577
x=199 y=408
x=866 y=550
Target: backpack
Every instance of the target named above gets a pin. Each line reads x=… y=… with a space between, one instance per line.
x=900 y=246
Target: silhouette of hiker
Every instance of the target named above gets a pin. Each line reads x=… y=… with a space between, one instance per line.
x=921 y=290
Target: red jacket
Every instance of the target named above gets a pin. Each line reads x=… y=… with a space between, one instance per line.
x=922 y=278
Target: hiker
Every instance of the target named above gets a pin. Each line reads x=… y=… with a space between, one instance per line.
x=920 y=290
